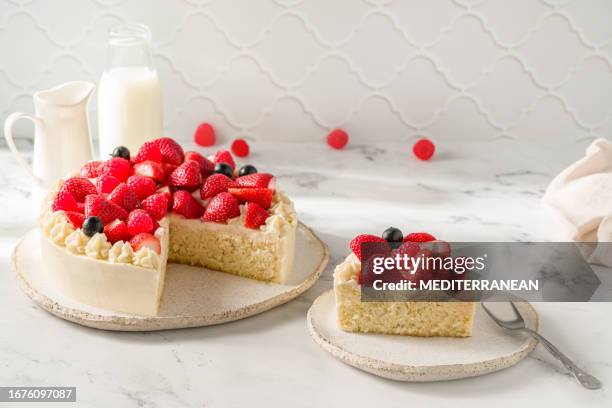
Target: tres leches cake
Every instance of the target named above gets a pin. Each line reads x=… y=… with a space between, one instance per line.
x=109 y=231
x=412 y=318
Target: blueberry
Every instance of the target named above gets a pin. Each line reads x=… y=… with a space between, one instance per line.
x=246 y=170
x=224 y=168
x=121 y=151
x=92 y=225
x=393 y=234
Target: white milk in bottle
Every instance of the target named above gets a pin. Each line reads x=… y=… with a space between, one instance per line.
x=129 y=94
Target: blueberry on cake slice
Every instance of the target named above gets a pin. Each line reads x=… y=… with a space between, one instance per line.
x=411 y=318
x=109 y=231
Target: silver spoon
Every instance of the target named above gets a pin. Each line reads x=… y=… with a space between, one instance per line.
x=518 y=324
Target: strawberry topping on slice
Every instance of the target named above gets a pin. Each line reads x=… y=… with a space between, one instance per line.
x=123 y=195
x=150 y=169
x=261 y=196
x=419 y=237
x=107 y=211
x=139 y=221
x=75 y=218
x=148 y=151
x=355 y=244
x=145 y=240
x=117 y=167
x=224 y=156
x=156 y=205
x=171 y=151
x=107 y=183
x=184 y=204
x=91 y=169
x=255 y=216
x=254 y=180
x=206 y=165
x=187 y=176
x=65 y=201
x=215 y=184
x=142 y=186
x=79 y=187
x=116 y=231
x=222 y=207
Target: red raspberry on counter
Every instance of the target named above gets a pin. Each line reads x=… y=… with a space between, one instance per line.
x=240 y=148
x=424 y=149
x=205 y=135
x=337 y=138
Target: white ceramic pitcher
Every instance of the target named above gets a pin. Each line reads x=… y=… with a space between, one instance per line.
x=62 y=142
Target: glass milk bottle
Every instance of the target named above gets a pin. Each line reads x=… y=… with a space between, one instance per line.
x=129 y=94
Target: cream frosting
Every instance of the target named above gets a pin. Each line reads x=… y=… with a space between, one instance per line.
x=60 y=231
x=97 y=247
x=146 y=258
x=348 y=270
x=52 y=220
x=121 y=252
x=76 y=242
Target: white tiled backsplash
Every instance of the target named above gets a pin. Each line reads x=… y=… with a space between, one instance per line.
x=291 y=70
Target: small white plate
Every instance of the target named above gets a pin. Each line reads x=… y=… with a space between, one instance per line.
x=406 y=358
x=192 y=296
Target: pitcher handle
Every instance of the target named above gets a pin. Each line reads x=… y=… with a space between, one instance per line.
x=8 y=135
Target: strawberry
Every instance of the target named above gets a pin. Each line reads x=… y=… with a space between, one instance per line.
x=184 y=204
x=409 y=248
x=65 y=201
x=107 y=183
x=215 y=184
x=261 y=196
x=139 y=221
x=255 y=216
x=187 y=176
x=150 y=169
x=224 y=156
x=91 y=169
x=101 y=207
x=419 y=237
x=79 y=187
x=355 y=244
x=116 y=231
x=145 y=240
x=156 y=205
x=81 y=207
x=142 y=186
x=117 y=167
x=124 y=196
x=254 y=180
x=165 y=190
x=171 y=151
x=75 y=218
x=206 y=165
x=148 y=151
x=222 y=207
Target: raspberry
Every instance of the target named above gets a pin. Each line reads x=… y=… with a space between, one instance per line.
x=240 y=147
x=205 y=135
x=337 y=138
x=424 y=149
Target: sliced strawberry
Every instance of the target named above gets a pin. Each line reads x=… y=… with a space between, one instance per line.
x=168 y=169
x=419 y=237
x=117 y=167
x=150 y=169
x=222 y=207
x=79 y=187
x=184 y=204
x=187 y=176
x=81 y=207
x=123 y=195
x=101 y=207
x=107 y=183
x=261 y=196
x=171 y=151
x=215 y=184
x=139 y=221
x=145 y=240
x=255 y=216
x=65 y=201
x=165 y=190
x=149 y=151
x=224 y=156
x=142 y=186
x=116 y=231
x=254 y=180
x=156 y=205
x=355 y=244
x=91 y=169
x=206 y=165
x=75 y=218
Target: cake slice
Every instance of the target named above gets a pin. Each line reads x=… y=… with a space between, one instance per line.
x=109 y=231
x=412 y=318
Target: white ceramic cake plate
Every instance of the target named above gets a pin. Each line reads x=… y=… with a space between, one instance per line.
x=406 y=358
x=192 y=296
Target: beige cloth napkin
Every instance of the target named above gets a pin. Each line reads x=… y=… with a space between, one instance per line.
x=581 y=197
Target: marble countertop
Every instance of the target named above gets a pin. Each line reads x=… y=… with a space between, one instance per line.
x=471 y=191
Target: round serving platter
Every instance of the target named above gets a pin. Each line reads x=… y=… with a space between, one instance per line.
x=192 y=296
x=406 y=358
